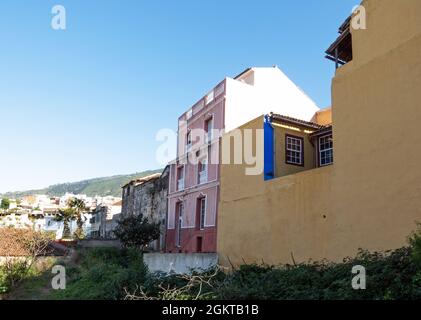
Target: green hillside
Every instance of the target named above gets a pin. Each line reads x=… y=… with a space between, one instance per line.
x=107 y=186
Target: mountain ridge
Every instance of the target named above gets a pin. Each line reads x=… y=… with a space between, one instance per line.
x=103 y=186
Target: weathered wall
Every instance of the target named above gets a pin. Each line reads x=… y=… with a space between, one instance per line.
x=180 y=263
x=149 y=199
x=371 y=197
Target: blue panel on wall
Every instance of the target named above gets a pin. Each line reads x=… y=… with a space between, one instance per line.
x=269 y=165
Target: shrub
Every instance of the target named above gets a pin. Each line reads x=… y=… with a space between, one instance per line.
x=137 y=231
x=103 y=274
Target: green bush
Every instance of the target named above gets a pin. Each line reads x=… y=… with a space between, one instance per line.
x=3 y=282
x=103 y=274
x=391 y=275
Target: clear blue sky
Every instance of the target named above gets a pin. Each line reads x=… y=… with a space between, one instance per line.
x=88 y=101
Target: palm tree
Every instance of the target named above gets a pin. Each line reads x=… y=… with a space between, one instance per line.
x=66 y=216
x=79 y=208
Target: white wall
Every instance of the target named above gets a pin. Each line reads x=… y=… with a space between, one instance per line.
x=272 y=91
x=180 y=263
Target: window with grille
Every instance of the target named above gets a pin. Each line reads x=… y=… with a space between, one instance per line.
x=294 y=150
x=325 y=150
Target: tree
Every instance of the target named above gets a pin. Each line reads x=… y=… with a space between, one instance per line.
x=66 y=216
x=5 y=203
x=79 y=208
x=137 y=231
x=74 y=211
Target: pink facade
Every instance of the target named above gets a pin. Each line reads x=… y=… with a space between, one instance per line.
x=194 y=177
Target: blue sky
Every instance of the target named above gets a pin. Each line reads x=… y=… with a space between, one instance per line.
x=88 y=101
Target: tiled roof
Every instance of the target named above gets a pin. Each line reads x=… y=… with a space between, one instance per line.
x=143 y=179
x=295 y=121
x=323 y=130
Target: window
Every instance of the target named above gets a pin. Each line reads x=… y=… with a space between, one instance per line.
x=180 y=210
x=210 y=96
x=180 y=178
x=325 y=150
x=203 y=171
x=189 y=114
x=294 y=150
x=189 y=141
x=208 y=130
x=201 y=213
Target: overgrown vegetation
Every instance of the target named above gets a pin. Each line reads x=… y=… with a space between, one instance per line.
x=121 y=274
x=137 y=231
x=20 y=250
x=103 y=274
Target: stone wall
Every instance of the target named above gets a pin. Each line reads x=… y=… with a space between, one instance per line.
x=148 y=197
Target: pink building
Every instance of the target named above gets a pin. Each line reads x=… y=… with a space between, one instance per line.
x=194 y=176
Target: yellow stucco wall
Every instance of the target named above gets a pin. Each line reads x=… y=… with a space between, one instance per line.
x=323 y=117
x=371 y=197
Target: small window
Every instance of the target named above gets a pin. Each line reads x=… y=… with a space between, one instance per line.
x=128 y=191
x=203 y=171
x=180 y=178
x=209 y=130
x=180 y=210
x=189 y=141
x=210 y=96
x=202 y=212
x=294 y=150
x=325 y=150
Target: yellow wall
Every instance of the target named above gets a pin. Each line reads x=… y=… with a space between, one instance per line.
x=371 y=197
x=323 y=117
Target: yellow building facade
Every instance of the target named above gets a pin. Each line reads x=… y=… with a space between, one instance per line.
x=370 y=197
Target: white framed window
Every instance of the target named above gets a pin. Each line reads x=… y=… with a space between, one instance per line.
x=180 y=177
x=325 y=150
x=202 y=212
x=203 y=171
x=294 y=152
x=189 y=114
x=209 y=97
x=209 y=130
x=188 y=141
x=180 y=210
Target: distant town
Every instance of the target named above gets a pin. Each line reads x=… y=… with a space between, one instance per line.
x=41 y=212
